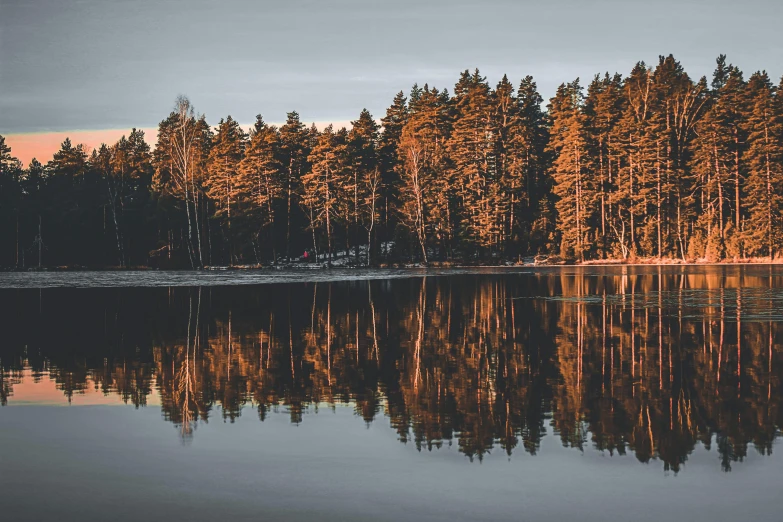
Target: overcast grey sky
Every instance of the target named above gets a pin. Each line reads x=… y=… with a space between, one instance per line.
x=102 y=64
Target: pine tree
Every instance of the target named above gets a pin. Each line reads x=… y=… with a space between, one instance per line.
x=10 y=206
x=604 y=106
x=472 y=150
x=426 y=188
x=764 y=157
x=659 y=187
x=635 y=143
x=682 y=104
x=573 y=185
x=511 y=178
x=126 y=169
x=529 y=168
x=104 y=161
x=138 y=198
x=33 y=185
x=346 y=190
x=364 y=170
x=321 y=185
x=262 y=183
x=389 y=163
x=222 y=182
x=294 y=149
x=728 y=114
x=72 y=207
x=717 y=162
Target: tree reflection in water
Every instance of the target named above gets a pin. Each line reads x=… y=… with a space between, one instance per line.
x=652 y=361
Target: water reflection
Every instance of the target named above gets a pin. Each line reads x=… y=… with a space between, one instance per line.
x=653 y=362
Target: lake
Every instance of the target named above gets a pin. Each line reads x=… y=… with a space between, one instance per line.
x=594 y=393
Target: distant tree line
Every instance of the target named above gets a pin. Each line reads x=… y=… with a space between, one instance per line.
x=652 y=165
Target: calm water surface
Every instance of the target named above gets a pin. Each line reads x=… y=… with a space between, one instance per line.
x=623 y=393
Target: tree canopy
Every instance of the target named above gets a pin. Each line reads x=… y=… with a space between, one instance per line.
x=651 y=165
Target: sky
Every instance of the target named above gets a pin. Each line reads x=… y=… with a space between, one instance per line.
x=103 y=66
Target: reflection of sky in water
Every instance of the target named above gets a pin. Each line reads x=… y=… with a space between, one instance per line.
x=572 y=391
x=40 y=389
x=124 y=464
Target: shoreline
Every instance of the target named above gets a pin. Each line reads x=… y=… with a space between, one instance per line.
x=306 y=267
x=238 y=277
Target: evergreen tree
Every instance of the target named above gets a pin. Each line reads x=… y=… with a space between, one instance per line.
x=510 y=176
x=364 y=177
x=764 y=157
x=681 y=104
x=426 y=188
x=604 y=106
x=717 y=162
x=10 y=206
x=472 y=151
x=72 y=211
x=33 y=190
x=103 y=162
x=636 y=145
x=321 y=186
x=388 y=160
x=294 y=149
x=528 y=166
x=573 y=182
x=262 y=183
x=126 y=169
x=222 y=182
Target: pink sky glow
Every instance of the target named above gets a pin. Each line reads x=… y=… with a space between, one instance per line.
x=46 y=391
x=43 y=145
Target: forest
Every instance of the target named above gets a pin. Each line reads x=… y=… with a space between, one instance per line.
x=651 y=166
